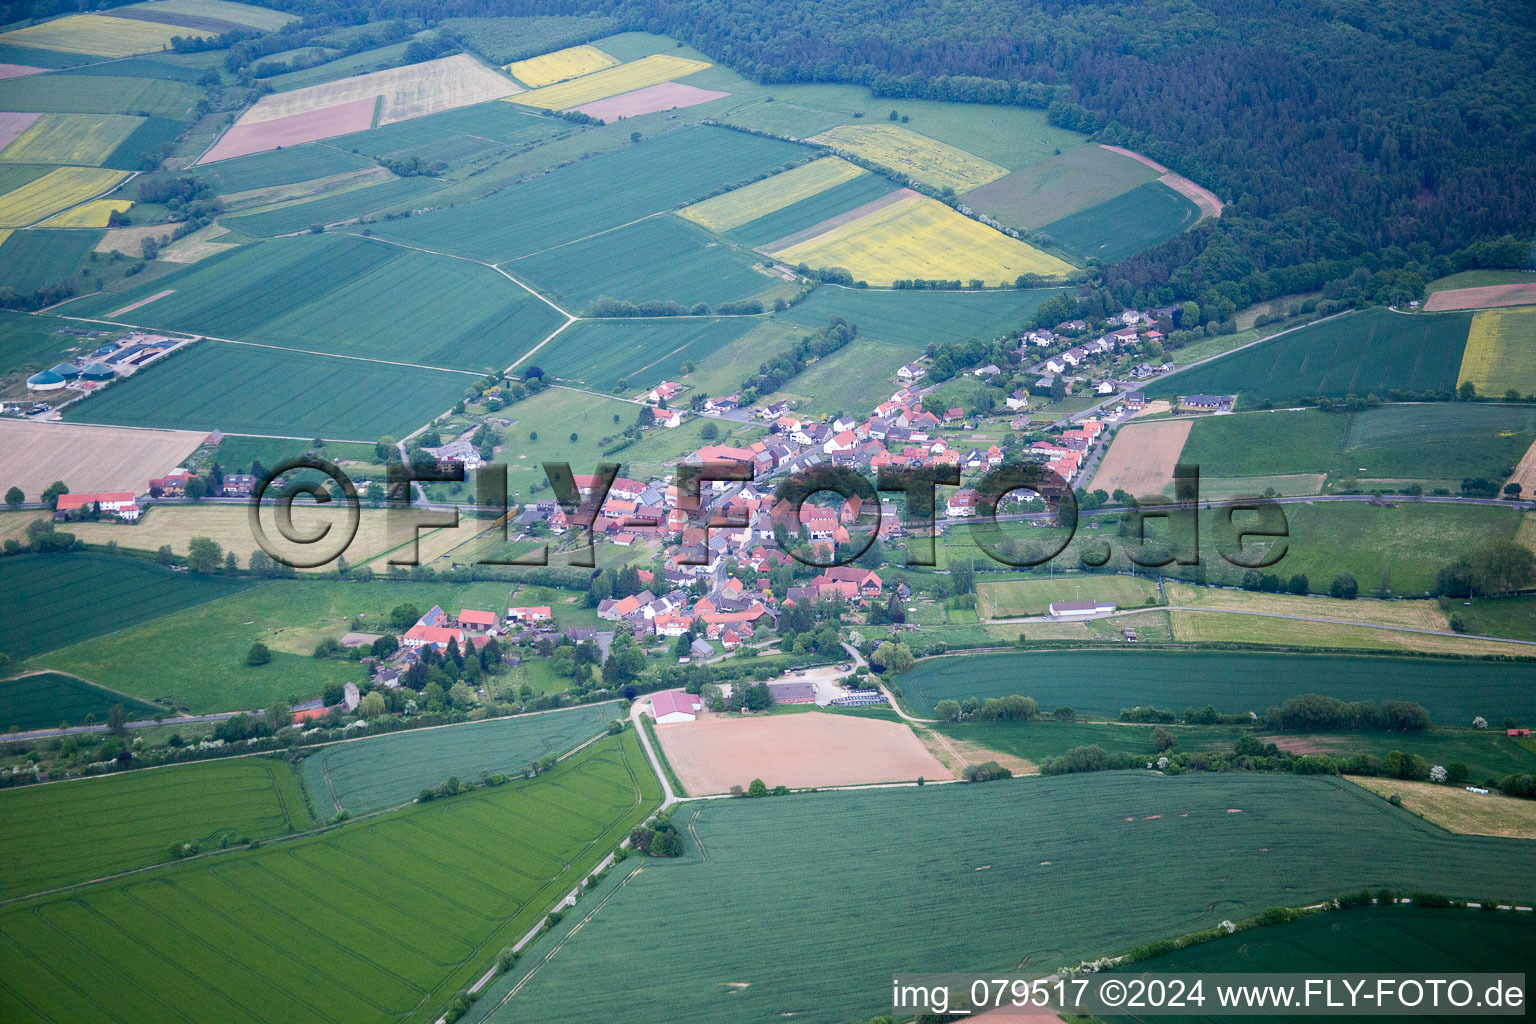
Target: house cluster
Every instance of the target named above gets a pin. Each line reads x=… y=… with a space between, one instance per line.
x=122 y=504
x=229 y=485
x=1082 y=361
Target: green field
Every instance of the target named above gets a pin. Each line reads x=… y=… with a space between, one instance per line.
x=853 y=380
x=333 y=207
x=1434 y=442
x=1104 y=682
x=289 y=616
x=912 y=319
x=1370 y=352
x=75 y=596
x=47 y=699
x=98 y=826
x=453 y=135
x=657 y=174
x=383 y=771
x=146 y=141
x=1400 y=939
x=600 y=353
x=91 y=94
x=377 y=59
x=1499 y=616
x=84 y=140
x=379 y=921
x=144 y=67
x=348 y=296
x=1019 y=876
x=246 y=389
x=1123 y=226
x=41 y=257
x=1033 y=597
x=1049 y=190
x=286 y=166
x=658 y=258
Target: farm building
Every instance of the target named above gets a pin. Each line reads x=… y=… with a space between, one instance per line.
x=45 y=380
x=792 y=693
x=1206 y=403
x=119 y=503
x=1079 y=609
x=435 y=636
x=539 y=613
x=672 y=706
x=97 y=372
x=470 y=618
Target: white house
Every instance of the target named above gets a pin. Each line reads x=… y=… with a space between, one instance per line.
x=911 y=371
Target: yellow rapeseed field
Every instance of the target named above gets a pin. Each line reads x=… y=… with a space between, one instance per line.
x=1501 y=351
x=549 y=68
x=83 y=140
x=921 y=238
x=761 y=198
x=57 y=190
x=600 y=85
x=917 y=156
x=96 y=34
x=95 y=214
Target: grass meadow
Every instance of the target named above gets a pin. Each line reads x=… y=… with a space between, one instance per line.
x=99 y=826
x=1104 y=682
x=600 y=353
x=30 y=260
x=89 y=94
x=378 y=921
x=287 y=166
x=44 y=700
x=1079 y=178
x=348 y=204
x=1369 y=352
x=1014 y=876
x=71 y=597
x=382 y=771
x=1033 y=597
x=152 y=659
x=912 y=319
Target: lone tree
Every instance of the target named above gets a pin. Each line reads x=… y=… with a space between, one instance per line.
x=259 y=654
x=204 y=555
x=14 y=497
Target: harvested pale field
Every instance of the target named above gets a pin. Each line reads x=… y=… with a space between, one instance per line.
x=1526 y=533
x=651 y=99
x=130 y=241
x=1204 y=198
x=1501 y=352
x=1142 y=456
x=95 y=214
x=199 y=245
x=1413 y=614
x=797 y=750
x=1456 y=810
x=917 y=156
x=412 y=91
x=95 y=34
x=1154 y=408
x=549 y=68
x=34 y=455
x=18 y=71
x=1235 y=627
x=308 y=126
x=219 y=10
x=918 y=237
x=142 y=302
x=761 y=198
x=83 y=140
x=1480 y=298
x=956 y=754
x=637 y=74
x=1525 y=472
x=13 y=525
x=57 y=190
x=13 y=124
x=230 y=526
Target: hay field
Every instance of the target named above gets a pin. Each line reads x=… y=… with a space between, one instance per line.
x=34 y=455
x=761 y=198
x=230 y=526
x=1142 y=457
x=1287 y=484
x=1525 y=472
x=1229 y=627
x=918 y=237
x=1501 y=352
x=1414 y=614
x=1012 y=598
x=57 y=190
x=84 y=140
x=1045 y=191
x=95 y=34
x=95 y=214
x=637 y=74
x=1516 y=294
x=917 y=156
x=1456 y=810
x=411 y=91
x=799 y=751
x=549 y=68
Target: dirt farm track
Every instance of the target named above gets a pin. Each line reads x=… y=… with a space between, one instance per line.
x=798 y=750
x=34 y=455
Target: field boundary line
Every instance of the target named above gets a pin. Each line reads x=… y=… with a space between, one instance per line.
x=583 y=238
x=338 y=355
x=480 y=263
x=90 y=199
x=548 y=338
